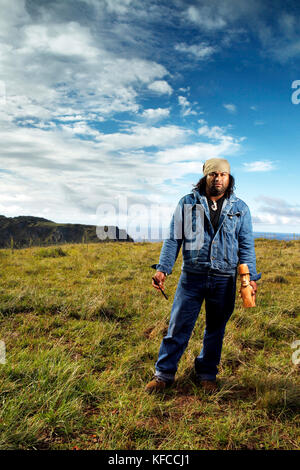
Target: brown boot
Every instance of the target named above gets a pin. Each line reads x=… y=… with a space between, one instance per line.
x=209 y=386
x=156 y=385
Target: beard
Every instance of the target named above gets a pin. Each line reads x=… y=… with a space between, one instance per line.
x=216 y=191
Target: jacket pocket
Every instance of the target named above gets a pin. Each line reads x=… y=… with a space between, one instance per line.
x=231 y=221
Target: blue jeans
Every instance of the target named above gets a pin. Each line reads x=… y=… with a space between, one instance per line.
x=218 y=291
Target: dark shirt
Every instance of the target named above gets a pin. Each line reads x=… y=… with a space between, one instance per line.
x=215 y=215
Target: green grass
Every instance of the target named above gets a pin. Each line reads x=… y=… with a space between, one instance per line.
x=82 y=327
x=50 y=252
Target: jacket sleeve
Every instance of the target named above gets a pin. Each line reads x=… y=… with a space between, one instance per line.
x=246 y=245
x=171 y=245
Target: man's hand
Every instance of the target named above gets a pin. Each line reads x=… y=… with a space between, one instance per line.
x=160 y=277
x=254 y=286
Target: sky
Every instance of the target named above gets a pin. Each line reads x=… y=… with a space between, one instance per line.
x=109 y=108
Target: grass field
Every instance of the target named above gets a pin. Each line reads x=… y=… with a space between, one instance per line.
x=82 y=326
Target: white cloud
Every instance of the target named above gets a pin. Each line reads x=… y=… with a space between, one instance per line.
x=259 y=165
x=201 y=51
x=66 y=72
x=161 y=86
x=279 y=39
x=55 y=66
x=61 y=82
x=82 y=128
x=217 y=15
x=80 y=117
x=230 y=107
x=198 y=152
x=118 y=6
x=214 y=132
x=183 y=101
x=201 y=151
x=64 y=174
x=217 y=133
x=69 y=40
x=154 y=114
x=185 y=105
x=139 y=137
x=185 y=90
x=276 y=211
x=203 y=17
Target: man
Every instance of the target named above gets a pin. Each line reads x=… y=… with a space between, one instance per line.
x=215 y=230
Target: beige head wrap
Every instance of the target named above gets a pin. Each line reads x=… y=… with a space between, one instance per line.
x=216 y=164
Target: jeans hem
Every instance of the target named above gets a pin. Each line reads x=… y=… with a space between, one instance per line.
x=169 y=378
x=205 y=377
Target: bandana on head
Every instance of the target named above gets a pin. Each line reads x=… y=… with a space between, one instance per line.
x=216 y=164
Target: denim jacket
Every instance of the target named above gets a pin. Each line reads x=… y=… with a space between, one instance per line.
x=204 y=250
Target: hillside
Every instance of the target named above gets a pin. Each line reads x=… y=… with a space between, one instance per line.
x=24 y=231
x=82 y=326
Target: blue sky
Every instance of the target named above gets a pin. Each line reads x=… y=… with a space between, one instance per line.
x=108 y=99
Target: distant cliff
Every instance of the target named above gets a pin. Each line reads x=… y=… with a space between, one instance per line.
x=24 y=231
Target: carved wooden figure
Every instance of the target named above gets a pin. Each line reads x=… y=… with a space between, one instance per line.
x=246 y=288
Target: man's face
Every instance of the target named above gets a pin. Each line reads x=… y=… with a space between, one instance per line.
x=217 y=183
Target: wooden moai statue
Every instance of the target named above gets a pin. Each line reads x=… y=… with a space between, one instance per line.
x=246 y=288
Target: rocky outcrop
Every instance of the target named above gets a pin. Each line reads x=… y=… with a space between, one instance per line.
x=24 y=231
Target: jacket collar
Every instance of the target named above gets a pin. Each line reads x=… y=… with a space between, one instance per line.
x=227 y=204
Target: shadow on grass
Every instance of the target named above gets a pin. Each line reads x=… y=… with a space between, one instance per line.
x=277 y=396
x=113 y=313
x=5 y=311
